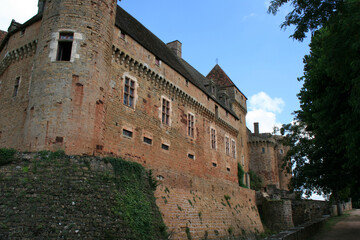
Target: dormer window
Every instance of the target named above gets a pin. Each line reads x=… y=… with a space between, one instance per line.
x=157 y=61
x=122 y=35
x=65 y=46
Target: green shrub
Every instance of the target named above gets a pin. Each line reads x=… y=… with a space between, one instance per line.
x=188 y=234
x=135 y=201
x=6 y=156
x=255 y=181
x=241 y=173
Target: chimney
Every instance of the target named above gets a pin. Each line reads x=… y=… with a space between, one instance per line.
x=256 y=127
x=175 y=46
x=41 y=5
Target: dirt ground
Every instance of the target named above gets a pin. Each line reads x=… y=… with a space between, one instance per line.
x=346 y=229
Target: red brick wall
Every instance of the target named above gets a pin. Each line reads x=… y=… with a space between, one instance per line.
x=200 y=205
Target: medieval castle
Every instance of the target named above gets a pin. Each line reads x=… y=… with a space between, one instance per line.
x=88 y=78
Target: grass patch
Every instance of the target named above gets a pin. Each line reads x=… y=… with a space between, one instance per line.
x=227 y=199
x=6 y=156
x=330 y=222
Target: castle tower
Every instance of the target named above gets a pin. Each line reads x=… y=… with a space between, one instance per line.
x=71 y=75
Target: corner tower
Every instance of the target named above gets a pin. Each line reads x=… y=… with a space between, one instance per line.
x=70 y=77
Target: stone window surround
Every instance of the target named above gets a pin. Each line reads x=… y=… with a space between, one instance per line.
x=233 y=148
x=78 y=37
x=16 y=86
x=213 y=142
x=165 y=142
x=193 y=125
x=161 y=111
x=191 y=153
x=127 y=128
x=227 y=145
x=146 y=134
x=132 y=78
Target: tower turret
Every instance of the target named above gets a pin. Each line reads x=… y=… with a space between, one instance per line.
x=71 y=74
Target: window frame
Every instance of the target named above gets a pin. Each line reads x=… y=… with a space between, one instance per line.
x=16 y=86
x=227 y=145
x=213 y=138
x=129 y=95
x=165 y=111
x=127 y=133
x=61 y=45
x=191 y=125
x=233 y=148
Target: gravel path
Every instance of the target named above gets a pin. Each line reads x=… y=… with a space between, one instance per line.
x=346 y=229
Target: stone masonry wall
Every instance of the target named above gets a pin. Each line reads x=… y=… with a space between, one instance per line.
x=264 y=163
x=14 y=109
x=277 y=214
x=208 y=209
x=144 y=120
x=308 y=210
x=67 y=198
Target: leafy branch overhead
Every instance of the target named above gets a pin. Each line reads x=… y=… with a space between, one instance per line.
x=307 y=15
x=326 y=137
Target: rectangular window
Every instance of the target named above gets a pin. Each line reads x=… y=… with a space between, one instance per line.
x=190 y=125
x=147 y=140
x=227 y=145
x=233 y=148
x=129 y=92
x=281 y=151
x=165 y=147
x=191 y=156
x=122 y=35
x=64 y=46
x=213 y=138
x=16 y=86
x=263 y=150
x=127 y=133
x=214 y=164
x=157 y=61
x=165 y=112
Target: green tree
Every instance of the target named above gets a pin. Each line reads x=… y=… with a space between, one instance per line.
x=326 y=138
x=307 y=15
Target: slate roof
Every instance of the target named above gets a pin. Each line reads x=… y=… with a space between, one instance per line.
x=148 y=40
x=220 y=77
x=20 y=27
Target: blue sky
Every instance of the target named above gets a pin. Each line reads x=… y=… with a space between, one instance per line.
x=247 y=42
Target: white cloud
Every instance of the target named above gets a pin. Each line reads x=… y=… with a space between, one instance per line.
x=263 y=109
x=263 y=101
x=20 y=10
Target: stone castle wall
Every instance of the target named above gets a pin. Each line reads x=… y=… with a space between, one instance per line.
x=264 y=162
x=19 y=52
x=267 y=154
x=78 y=106
x=201 y=206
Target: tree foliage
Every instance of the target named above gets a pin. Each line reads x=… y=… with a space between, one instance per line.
x=326 y=138
x=307 y=15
